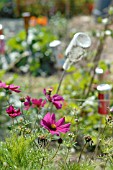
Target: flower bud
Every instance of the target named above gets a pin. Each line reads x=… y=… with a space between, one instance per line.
x=76 y=120
x=60 y=140
x=22 y=99
x=8 y=91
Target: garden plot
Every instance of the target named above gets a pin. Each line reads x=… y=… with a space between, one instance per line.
x=55 y=122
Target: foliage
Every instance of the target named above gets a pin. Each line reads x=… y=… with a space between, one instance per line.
x=67 y=8
x=60 y=22
x=36 y=54
x=4 y=120
x=89 y=144
x=28 y=146
x=7 y=8
x=47 y=8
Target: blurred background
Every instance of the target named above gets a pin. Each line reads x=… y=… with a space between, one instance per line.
x=14 y=8
x=31 y=57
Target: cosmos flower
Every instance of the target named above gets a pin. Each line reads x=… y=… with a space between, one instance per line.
x=14 y=88
x=2 y=85
x=55 y=127
x=55 y=99
x=27 y=103
x=13 y=112
x=11 y=87
x=38 y=103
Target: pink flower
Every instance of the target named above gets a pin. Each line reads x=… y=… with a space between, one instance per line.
x=13 y=112
x=27 y=103
x=38 y=103
x=49 y=123
x=2 y=85
x=55 y=99
x=11 y=87
x=14 y=88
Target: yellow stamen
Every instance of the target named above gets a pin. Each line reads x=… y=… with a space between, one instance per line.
x=49 y=89
x=53 y=126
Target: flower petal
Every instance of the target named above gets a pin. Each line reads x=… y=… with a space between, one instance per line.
x=56 y=97
x=47 y=118
x=45 y=124
x=60 y=122
x=53 y=118
x=44 y=91
x=57 y=104
x=54 y=132
x=64 y=128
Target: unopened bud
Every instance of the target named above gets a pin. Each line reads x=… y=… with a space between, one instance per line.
x=21 y=119
x=60 y=140
x=22 y=99
x=76 y=120
x=8 y=91
x=70 y=134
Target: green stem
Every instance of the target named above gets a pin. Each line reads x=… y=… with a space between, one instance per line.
x=23 y=114
x=81 y=152
x=101 y=132
x=36 y=121
x=66 y=155
x=12 y=121
x=63 y=74
x=42 y=163
x=98 y=139
x=55 y=153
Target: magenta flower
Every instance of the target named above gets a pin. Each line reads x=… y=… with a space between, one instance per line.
x=11 y=87
x=55 y=99
x=13 y=112
x=38 y=103
x=49 y=123
x=14 y=88
x=2 y=85
x=27 y=103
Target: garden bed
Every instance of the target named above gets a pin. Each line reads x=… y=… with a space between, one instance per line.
x=59 y=126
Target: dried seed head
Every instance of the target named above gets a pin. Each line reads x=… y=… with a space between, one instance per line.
x=109 y=119
x=41 y=141
x=88 y=138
